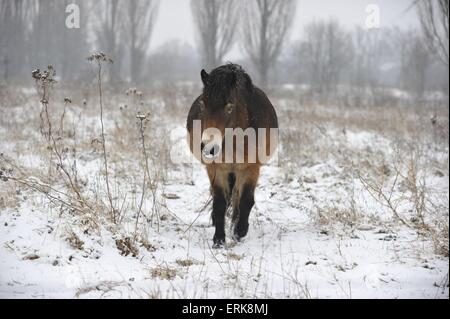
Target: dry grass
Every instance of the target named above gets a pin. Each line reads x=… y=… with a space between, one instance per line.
x=74 y=241
x=71 y=139
x=127 y=247
x=395 y=176
x=131 y=189
x=164 y=272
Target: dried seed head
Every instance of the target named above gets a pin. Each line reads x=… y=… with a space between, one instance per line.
x=433 y=120
x=44 y=77
x=51 y=70
x=36 y=74
x=141 y=117
x=99 y=57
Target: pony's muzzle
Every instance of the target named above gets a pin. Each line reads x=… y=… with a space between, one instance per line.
x=210 y=150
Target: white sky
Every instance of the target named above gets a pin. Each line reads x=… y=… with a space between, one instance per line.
x=175 y=19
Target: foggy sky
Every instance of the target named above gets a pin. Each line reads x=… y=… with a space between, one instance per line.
x=175 y=19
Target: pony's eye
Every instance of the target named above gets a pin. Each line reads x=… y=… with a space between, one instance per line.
x=229 y=108
x=202 y=106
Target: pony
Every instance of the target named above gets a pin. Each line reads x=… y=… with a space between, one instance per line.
x=223 y=125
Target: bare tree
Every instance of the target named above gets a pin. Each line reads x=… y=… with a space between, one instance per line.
x=141 y=16
x=267 y=23
x=414 y=61
x=73 y=45
x=419 y=62
x=13 y=35
x=48 y=41
x=369 y=48
x=108 y=29
x=216 y=22
x=434 y=15
x=324 y=53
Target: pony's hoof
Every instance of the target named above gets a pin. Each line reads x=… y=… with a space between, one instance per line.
x=240 y=232
x=238 y=238
x=218 y=243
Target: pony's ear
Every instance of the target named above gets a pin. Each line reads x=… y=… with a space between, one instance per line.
x=204 y=76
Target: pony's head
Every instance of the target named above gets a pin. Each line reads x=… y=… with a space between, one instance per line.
x=225 y=94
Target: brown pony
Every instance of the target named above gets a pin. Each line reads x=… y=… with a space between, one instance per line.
x=230 y=101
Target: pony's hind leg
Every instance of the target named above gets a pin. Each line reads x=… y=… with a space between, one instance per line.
x=231 y=182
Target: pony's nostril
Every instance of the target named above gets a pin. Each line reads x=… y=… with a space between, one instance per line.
x=214 y=150
x=210 y=151
x=202 y=146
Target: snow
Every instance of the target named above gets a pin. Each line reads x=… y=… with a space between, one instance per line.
x=290 y=252
x=284 y=256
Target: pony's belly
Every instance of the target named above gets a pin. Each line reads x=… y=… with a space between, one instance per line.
x=232 y=167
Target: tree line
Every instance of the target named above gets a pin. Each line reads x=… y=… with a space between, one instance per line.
x=326 y=56
x=34 y=32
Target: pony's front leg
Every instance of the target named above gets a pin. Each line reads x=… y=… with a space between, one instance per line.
x=218 y=215
x=246 y=203
x=218 y=179
x=247 y=180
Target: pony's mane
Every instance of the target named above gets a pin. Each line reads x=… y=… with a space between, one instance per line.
x=223 y=80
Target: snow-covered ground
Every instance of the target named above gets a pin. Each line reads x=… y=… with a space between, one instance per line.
x=315 y=231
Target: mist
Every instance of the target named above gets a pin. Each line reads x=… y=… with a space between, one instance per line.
x=142 y=37
x=115 y=116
